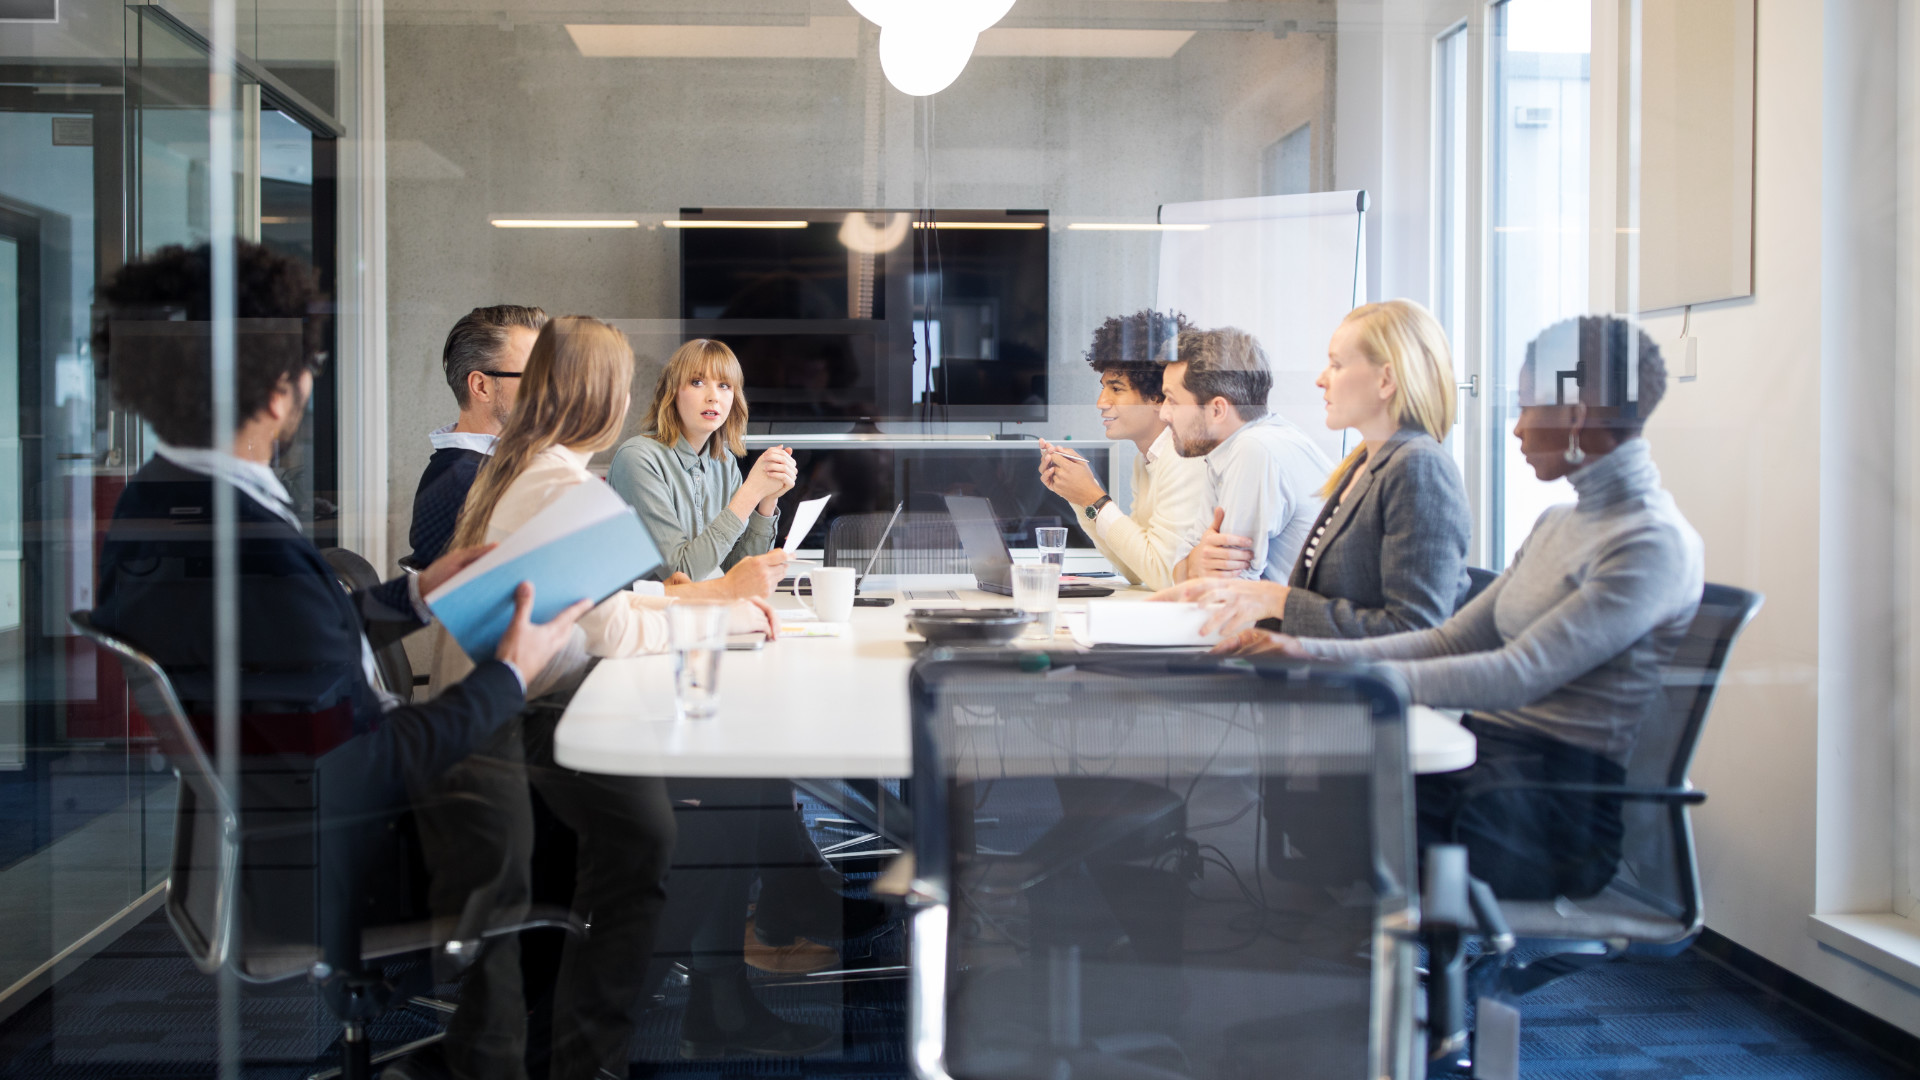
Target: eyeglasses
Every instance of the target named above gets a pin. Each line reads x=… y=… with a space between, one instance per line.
x=502 y=374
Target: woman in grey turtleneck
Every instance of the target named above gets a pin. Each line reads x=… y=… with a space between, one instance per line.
x=1559 y=659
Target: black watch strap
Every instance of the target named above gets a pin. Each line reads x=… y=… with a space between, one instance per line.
x=1094 y=508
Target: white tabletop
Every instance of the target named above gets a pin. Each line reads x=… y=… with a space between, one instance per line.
x=819 y=707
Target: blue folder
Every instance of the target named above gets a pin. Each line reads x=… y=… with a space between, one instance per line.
x=592 y=564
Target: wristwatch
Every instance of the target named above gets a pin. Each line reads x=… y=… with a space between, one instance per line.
x=1093 y=509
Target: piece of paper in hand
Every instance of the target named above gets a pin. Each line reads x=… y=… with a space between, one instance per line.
x=804 y=516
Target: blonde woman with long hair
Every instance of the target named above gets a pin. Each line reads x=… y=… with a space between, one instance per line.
x=1389 y=550
x=684 y=478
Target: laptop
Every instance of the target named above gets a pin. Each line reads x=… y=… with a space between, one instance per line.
x=879 y=546
x=791 y=583
x=987 y=554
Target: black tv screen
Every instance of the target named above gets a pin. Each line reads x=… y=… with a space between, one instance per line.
x=859 y=315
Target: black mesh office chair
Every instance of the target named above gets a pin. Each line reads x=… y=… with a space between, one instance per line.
x=241 y=894
x=920 y=543
x=1653 y=899
x=1093 y=891
x=395 y=669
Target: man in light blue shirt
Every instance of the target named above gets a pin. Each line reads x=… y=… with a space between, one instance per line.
x=1263 y=473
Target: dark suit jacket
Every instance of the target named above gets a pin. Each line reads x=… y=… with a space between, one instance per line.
x=444 y=484
x=317 y=748
x=1394 y=556
x=300 y=632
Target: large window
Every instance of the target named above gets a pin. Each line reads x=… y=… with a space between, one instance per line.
x=1450 y=203
x=1537 y=195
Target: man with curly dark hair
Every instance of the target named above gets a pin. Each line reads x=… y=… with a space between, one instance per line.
x=314 y=721
x=1130 y=353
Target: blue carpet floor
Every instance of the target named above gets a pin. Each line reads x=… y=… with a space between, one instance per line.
x=140 y=1010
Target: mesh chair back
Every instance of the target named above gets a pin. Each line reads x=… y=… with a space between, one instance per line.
x=1657 y=862
x=203 y=876
x=1655 y=893
x=390 y=661
x=920 y=543
x=1102 y=846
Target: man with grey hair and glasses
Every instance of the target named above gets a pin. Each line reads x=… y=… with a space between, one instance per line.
x=1263 y=473
x=484 y=356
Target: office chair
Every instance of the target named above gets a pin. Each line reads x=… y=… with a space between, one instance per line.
x=1652 y=904
x=1477 y=582
x=1093 y=892
x=921 y=543
x=240 y=893
x=390 y=660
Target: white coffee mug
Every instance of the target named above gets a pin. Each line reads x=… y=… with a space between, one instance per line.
x=832 y=598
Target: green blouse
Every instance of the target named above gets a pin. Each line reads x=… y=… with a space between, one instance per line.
x=682 y=497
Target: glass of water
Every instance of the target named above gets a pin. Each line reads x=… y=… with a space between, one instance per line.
x=1036 y=591
x=1052 y=541
x=698 y=631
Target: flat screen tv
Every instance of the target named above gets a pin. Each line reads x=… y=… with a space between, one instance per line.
x=845 y=316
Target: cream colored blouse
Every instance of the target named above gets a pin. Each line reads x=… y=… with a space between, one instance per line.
x=625 y=624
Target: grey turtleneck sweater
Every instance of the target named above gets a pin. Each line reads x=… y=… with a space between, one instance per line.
x=1569 y=642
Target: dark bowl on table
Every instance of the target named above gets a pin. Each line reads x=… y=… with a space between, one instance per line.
x=968 y=626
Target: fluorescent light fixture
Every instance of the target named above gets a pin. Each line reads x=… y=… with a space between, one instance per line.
x=1082 y=43
x=981 y=225
x=565 y=223
x=695 y=223
x=1131 y=226
x=823 y=37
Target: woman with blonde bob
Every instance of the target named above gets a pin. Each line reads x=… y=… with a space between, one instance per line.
x=682 y=475
x=1389 y=551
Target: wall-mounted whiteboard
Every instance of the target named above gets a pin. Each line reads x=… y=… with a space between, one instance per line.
x=1284 y=268
x=1696 y=151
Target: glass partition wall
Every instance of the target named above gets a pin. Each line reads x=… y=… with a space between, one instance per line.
x=105 y=159
x=913 y=282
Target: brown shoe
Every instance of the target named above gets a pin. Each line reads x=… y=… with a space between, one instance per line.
x=799 y=958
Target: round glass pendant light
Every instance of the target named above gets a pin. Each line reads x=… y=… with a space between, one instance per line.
x=925 y=44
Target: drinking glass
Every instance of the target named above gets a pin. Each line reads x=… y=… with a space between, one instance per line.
x=1036 y=591
x=698 y=631
x=1053 y=545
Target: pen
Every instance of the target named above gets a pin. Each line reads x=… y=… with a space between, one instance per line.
x=1069 y=455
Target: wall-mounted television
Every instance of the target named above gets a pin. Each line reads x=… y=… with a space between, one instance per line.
x=863 y=315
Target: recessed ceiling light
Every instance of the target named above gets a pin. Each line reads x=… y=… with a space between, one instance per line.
x=565 y=223
x=692 y=223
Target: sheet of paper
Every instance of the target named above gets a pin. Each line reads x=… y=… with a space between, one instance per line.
x=804 y=516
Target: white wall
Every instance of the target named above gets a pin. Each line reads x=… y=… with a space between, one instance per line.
x=1779 y=455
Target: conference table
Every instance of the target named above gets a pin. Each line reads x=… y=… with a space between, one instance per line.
x=823 y=707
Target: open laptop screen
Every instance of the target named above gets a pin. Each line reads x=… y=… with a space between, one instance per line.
x=987 y=555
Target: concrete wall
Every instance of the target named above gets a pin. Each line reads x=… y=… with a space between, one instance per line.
x=483 y=122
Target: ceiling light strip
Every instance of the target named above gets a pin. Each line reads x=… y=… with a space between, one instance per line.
x=565 y=223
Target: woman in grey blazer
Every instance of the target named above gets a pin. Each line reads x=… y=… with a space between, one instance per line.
x=1388 y=552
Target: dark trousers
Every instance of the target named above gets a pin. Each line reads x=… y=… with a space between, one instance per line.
x=727 y=829
x=624 y=834
x=1528 y=845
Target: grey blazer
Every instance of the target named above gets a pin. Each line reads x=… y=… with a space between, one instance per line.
x=1394 y=556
